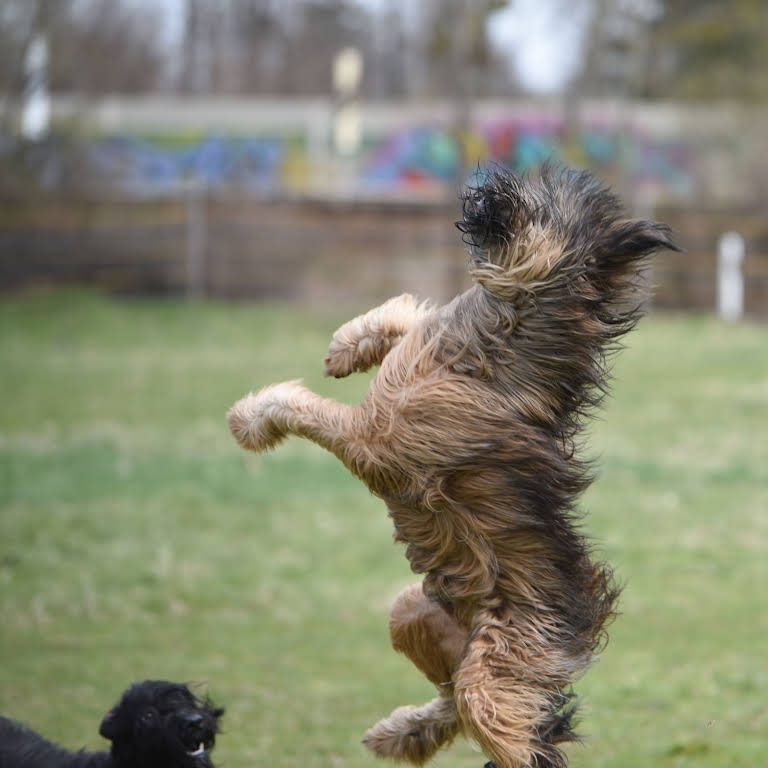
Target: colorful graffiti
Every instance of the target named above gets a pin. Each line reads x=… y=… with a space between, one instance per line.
x=419 y=155
x=159 y=164
x=415 y=157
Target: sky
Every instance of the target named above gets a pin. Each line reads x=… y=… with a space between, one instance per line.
x=542 y=45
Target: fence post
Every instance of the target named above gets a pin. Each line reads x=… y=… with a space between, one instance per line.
x=730 y=279
x=196 y=236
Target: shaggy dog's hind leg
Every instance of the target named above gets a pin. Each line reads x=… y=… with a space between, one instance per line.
x=516 y=712
x=426 y=633
x=365 y=341
x=414 y=734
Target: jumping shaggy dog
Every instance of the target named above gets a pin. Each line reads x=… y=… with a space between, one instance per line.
x=156 y=724
x=469 y=433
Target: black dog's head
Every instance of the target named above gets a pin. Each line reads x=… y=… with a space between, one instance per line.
x=158 y=724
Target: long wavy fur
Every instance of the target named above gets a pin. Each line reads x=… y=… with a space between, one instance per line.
x=470 y=434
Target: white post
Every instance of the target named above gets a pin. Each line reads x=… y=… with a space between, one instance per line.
x=36 y=106
x=730 y=279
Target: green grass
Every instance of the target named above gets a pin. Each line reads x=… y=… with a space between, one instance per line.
x=137 y=540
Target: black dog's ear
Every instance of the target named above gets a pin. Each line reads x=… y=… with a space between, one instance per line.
x=108 y=727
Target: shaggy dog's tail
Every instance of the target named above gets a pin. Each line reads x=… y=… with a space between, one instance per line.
x=564 y=265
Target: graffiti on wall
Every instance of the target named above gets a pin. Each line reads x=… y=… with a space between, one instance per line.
x=415 y=157
x=161 y=163
x=423 y=155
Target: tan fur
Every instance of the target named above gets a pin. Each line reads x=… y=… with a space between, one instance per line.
x=469 y=433
x=424 y=631
x=418 y=418
x=414 y=734
x=363 y=342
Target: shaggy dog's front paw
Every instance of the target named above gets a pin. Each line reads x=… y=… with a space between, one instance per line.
x=340 y=360
x=347 y=356
x=260 y=421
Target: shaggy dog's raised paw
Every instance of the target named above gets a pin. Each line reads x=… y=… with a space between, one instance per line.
x=366 y=340
x=345 y=357
x=340 y=360
x=259 y=421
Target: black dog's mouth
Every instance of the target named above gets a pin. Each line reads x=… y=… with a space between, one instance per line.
x=198 y=745
x=197 y=736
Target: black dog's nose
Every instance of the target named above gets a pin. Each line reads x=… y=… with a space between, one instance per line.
x=194 y=719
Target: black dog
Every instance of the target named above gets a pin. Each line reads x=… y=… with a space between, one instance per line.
x=156 y=724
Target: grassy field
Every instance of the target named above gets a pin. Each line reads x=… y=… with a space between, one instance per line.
x=137 y=540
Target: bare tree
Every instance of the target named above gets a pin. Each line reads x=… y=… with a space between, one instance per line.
x=710 y=49
x=460 y=61
x=104 y=46
x=18 y=21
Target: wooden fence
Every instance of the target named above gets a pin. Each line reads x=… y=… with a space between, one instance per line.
x=688 y=280
x=311 y=252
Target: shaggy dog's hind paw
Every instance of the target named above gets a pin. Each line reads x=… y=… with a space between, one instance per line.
x=385 y=740
x=412 y=734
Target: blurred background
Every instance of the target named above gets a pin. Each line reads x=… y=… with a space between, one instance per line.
x=194 y=194
x=188 y=146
